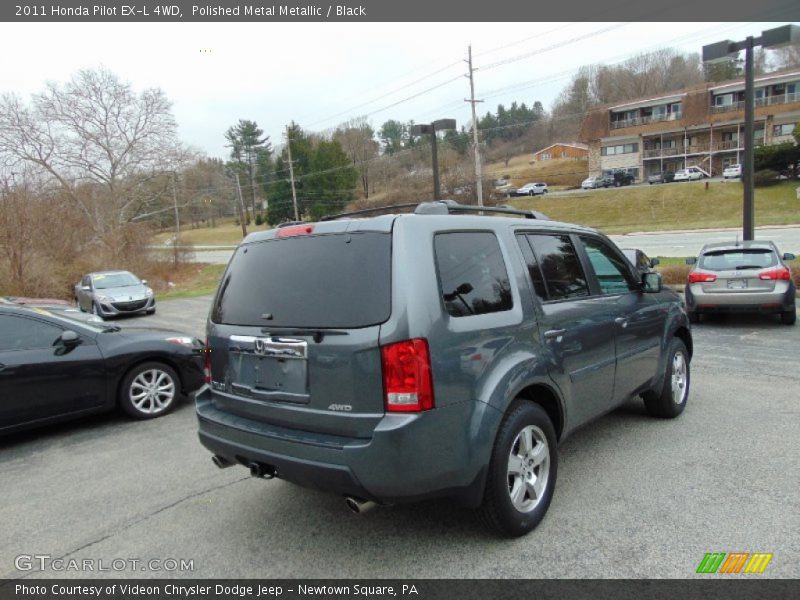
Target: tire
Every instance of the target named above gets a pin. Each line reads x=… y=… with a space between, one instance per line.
x=149 y=390
x=152 y=311
x=670 y=401
x=788 y=317
x=509 y=517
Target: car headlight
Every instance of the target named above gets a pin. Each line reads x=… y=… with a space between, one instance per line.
x=148 y=293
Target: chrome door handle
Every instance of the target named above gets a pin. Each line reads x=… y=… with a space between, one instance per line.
x=621 y=321
x=555 y=334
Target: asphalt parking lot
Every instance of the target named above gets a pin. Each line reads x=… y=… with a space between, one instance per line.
x=636 y=497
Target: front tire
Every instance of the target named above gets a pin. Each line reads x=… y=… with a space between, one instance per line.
x=670 y=401
x=149 y=390
x=522 y=471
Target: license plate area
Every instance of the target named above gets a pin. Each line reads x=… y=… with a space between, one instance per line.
x=269 y=368
x=737 y=284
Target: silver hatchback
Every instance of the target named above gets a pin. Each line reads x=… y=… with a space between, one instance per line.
x=746 y=276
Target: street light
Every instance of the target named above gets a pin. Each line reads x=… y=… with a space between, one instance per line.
x=722 y=51
x=439 y=125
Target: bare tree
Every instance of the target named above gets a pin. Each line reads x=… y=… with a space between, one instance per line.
x=358 y=141
x=94 y=131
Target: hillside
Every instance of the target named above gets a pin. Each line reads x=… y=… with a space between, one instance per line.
x=558 y=174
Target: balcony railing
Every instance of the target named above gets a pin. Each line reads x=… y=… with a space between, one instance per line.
x=645 y=120
x=763 y=101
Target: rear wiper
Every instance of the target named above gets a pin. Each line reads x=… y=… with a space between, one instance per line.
x=318 y=334
x=743 y=267
x=111 y=328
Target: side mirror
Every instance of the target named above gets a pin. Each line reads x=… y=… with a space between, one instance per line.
x=654 y=262
x=788 y=256
x=651 y=283
x=691 y=260
x=69 y=338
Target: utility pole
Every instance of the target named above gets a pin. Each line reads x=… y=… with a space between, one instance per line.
x=177 y=239
x=473 y=102
x=241 y=204
x=291 y=174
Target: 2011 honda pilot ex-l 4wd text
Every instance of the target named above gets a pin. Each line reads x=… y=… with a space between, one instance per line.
x=405 y=356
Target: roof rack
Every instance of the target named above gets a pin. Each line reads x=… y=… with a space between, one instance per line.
x=442 y=207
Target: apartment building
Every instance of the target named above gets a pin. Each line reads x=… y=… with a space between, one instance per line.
x=699 y=126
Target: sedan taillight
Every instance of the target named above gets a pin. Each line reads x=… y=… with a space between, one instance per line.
x=779 y=274
x=700 y=277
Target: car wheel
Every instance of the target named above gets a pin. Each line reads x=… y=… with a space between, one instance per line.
x=788 y=317
x=522 y=471
x=671 y=400
x=149 y=390
x=96 y=310
x=152 y=311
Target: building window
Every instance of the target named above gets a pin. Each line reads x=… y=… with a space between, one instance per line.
x=619 y=149
x=784 y=129
x=546 y=156
x=723 y=100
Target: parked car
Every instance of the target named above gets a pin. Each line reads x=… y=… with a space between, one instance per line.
x=114 y=293
x=640 y=260
x=441 y=353
x=748 y=276
x=52 y=305
x=531 y=189
x=689 y=174
x=591 y=183
x=661 y=177
x=53 y=368
x=732 y=172
x=606 y=181
x=620 y=178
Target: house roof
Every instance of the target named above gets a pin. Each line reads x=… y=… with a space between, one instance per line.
x=577 y=145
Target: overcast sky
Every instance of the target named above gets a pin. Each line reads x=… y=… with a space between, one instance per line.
x=321 y=74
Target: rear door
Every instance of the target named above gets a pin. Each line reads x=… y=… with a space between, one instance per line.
x=295 y=327
x=576 y=328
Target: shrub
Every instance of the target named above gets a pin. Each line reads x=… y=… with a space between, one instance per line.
x=765 y=177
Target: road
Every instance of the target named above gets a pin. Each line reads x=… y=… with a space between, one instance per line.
x=667 y=243
x=636 y=497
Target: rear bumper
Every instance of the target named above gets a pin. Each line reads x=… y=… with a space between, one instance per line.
x=775 y=301
x=442 y=452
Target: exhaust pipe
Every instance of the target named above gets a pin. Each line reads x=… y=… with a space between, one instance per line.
x=221 y=461
x=262 y=471
x=358 y=505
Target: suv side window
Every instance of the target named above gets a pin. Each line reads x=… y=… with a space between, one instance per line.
x=612 y=273
x=473 y=279
x=560 y=267
x=19 y=333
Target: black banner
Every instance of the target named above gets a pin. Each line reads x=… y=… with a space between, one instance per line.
x=405 y=10
x=732 y=588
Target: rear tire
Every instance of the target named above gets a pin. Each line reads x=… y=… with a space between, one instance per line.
x=788 y=317
x=522 y=471
x=670 y=401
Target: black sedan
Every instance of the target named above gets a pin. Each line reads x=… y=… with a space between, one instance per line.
x=53 y=368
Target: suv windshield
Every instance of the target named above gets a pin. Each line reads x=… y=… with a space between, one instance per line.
x=319 y=281
x=736 y=259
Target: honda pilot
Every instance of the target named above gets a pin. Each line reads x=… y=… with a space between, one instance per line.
x=445 y=352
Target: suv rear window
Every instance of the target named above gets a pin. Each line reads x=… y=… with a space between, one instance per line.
x=473 y=279
x=321 y=281
x=738 y=259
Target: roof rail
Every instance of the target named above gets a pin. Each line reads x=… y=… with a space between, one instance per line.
x=442 y=207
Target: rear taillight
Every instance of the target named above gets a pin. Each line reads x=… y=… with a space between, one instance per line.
x=207 y=363
x=407 y=376
x=700 y=277
x=779 y=274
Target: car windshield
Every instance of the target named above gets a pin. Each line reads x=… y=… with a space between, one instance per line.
x=105 y=281
x=738 y=259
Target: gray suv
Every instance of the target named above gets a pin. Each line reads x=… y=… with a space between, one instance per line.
x=407 y=356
